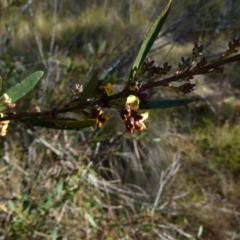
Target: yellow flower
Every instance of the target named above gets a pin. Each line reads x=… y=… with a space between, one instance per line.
x=133 y=102
x=107 y=89
x=145 y=116
x=139 y=124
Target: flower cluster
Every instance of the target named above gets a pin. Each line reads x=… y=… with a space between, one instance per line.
x=127 y=107
x=128 y=112
x=133 y=119
x=152 y=70
x=97 y=113
x=232 y=47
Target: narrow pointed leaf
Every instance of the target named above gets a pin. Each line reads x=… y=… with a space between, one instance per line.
x=164 y=104
x=54 y=234
x=88 y=89
x=149 y=40
x=90 y=219
x=74 y=125
x=22 y=88
x=59 y=123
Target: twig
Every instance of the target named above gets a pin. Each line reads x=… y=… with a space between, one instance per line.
x=49 y=146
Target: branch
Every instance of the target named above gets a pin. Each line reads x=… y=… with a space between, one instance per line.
x=201 y=71
x=125 y=92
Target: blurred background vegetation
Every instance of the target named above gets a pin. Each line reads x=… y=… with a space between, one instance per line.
x=179 y=179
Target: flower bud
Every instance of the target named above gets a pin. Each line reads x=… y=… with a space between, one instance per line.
x=96 y=111
x=138 y=126
x=130 y=122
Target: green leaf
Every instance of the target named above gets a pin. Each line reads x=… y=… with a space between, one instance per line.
x=88 y=89
x=60 y=187
x=102 y=46
x=63 y=124
x=149 y=40
x=22 y=88
x=54 y=234
x=90 y=220
x=46 y=204
x=164 y=104
x=91 y=49
x=11 y=205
